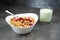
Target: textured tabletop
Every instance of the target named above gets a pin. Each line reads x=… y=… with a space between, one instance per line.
x=41 y=31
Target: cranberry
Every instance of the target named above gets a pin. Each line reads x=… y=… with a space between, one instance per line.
x=30 y=24
x=21 y=18
x=30 y=20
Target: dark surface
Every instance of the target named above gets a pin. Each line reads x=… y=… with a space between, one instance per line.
x=12 y=2
x=41 y=31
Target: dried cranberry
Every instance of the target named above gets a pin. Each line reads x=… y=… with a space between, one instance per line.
x=30 y=20
x=30 y=24
x=21 y=18
x=27 y=19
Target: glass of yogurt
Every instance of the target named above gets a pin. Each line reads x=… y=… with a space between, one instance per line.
x=46 y=14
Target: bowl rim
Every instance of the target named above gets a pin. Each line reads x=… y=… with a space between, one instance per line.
x=22 y=14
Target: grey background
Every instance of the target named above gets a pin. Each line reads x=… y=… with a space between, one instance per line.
x=32 y=3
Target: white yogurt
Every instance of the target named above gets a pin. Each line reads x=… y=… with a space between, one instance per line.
x=46 y=15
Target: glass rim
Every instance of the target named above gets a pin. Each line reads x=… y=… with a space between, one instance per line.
x=46 y=8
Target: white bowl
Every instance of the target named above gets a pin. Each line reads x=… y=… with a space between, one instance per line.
x=22 y=30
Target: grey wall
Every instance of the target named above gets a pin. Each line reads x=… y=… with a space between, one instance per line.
x=32 y=3
x=43 y=3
